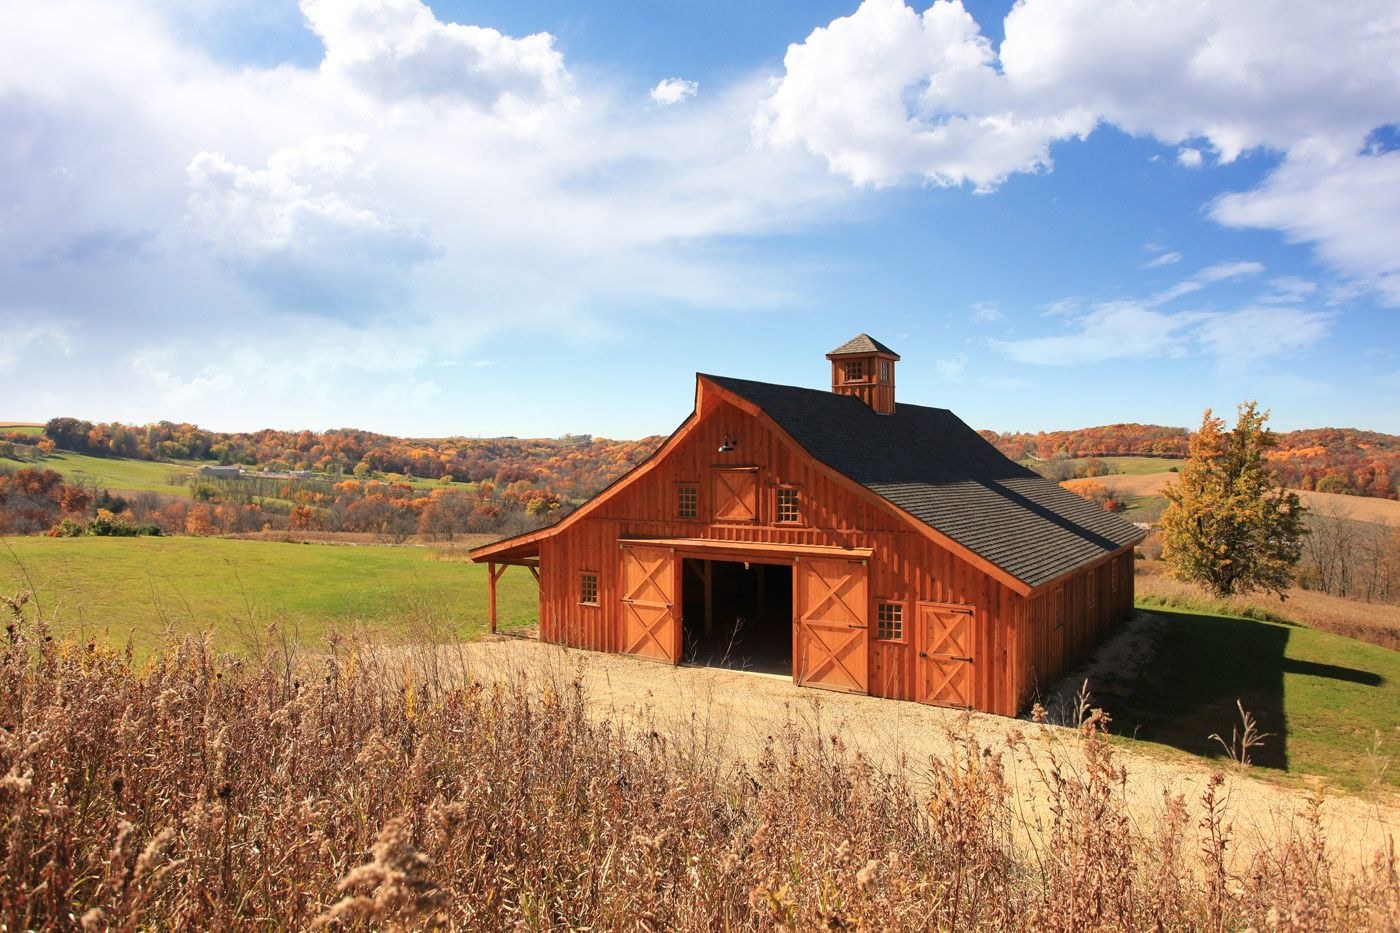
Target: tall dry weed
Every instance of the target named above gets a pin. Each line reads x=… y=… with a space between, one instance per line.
x=350 y=790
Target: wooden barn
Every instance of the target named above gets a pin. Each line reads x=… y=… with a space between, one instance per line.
x=859 y=543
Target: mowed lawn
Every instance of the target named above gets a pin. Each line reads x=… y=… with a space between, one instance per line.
x=236 y=589
x=1324 y=697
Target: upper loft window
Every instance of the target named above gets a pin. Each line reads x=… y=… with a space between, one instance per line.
x=885 y=372
x=855 y=371
x=785 y=506
x=687 y=500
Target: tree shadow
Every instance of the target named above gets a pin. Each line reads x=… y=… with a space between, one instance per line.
x=1202 y=665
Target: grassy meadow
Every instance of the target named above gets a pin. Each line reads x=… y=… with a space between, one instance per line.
x=119 y=474
x=1324 y=698
x=28 y=428
x=143 y=587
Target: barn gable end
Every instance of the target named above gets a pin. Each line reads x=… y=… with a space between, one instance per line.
x=879 y=598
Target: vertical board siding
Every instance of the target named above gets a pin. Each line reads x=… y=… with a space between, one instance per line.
x=1019 y=646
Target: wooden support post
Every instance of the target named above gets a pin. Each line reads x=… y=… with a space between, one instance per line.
x=494 y=575
x=534 y=570
x=761 y=610
x=708 y=578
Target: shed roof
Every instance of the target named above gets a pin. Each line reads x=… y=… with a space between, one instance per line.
x=930 y=464
x=862 y=343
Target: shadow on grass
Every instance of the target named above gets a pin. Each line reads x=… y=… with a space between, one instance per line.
x=1203 y=664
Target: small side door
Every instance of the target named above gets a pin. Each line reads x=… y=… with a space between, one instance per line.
x=944 y=667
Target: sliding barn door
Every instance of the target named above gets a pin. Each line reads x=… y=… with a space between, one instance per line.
x=833 y=627
x=943 y=672
x=650 y=614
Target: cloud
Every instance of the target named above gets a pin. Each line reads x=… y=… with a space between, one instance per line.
x=295 y=230
x=1336 y=203
x=953 y=369
x=1256 y=332
x=670 y=91
x=1140 y=329
x=886 y=94
x=398 y=50
x=1117 y=330
x=986 y=312
x=1220 y=272
x=1166 y=259
x=23 y=335
x=889 y=95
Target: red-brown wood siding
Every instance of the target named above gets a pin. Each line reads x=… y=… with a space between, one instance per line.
x=1016 y=643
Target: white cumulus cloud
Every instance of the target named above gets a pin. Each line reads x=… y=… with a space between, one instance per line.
x=889 y=94
x=398 y=50
x=670 y=91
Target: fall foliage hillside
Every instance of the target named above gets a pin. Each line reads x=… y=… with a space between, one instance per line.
x=1332 y=460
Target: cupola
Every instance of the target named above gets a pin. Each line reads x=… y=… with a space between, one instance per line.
x=864 y=367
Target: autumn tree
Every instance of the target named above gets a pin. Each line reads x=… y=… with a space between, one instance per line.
x=1229 y=525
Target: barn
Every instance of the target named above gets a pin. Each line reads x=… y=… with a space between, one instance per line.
x=852 y=541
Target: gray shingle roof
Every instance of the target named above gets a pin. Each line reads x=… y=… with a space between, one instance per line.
x=862 y=343
x=929 y=463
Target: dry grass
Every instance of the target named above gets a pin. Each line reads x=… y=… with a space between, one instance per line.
x=1356 y=508
x=1376 y=623
x=360 y=790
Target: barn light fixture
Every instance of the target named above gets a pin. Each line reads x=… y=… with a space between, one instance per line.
x=728 y=445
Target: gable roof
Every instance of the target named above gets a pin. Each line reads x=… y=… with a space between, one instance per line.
x=930 y=464
x=862 y=343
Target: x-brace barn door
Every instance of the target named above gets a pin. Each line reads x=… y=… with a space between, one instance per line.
x=650 y=618
x=944 y=665
x=832 y=625
x=736 y=496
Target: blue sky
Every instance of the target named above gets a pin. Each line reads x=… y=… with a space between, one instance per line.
x=532 y=218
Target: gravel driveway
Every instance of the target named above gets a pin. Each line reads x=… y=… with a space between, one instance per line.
x=732 y=713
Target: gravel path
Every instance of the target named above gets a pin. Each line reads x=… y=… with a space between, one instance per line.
x=731 y=713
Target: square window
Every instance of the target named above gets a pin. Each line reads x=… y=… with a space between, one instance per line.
x=785 y=506
x=588 y=589
x=855 y=371
x=688 y=500
x=889 y=621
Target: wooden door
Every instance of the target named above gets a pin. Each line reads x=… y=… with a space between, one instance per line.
x=832 y=625
x=943 y=671
x=735 y=495
x=650 y=618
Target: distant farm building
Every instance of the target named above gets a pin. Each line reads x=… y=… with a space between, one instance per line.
x=860 y=544
x=221 y=472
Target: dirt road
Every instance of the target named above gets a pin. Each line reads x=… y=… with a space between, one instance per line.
x=731 y=713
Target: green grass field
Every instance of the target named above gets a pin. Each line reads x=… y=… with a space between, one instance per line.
x=35 y=431
x=119 y=474
x=142 y=586
x=1131 y=466
x=1324 y=696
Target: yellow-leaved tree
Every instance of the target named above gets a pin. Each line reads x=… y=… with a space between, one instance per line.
x=1229 y=525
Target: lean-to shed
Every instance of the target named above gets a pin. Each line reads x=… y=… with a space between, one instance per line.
x=862 y=544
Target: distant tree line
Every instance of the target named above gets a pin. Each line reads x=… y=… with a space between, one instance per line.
x=1336 y=460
